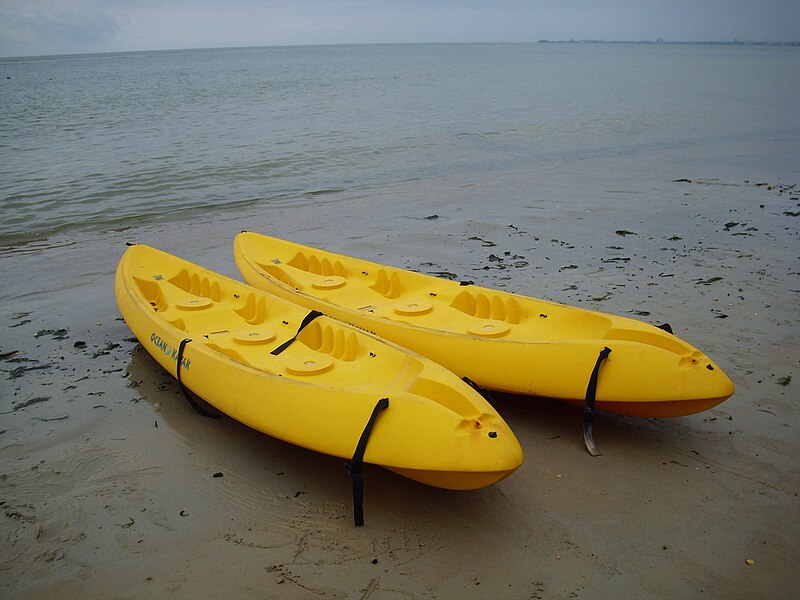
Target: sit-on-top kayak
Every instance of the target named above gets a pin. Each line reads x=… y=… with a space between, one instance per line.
x=499 y=340
x=310 y=380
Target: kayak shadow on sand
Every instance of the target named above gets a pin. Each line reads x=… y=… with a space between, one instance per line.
x=537 y=420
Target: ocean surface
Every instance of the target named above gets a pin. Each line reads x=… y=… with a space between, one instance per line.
x=99 y=141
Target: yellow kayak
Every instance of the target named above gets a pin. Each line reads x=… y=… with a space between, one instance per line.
x=311 y=380
x=500 y=340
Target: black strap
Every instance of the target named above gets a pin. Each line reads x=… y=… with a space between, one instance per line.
x=588 y=408
x=354 y=466
x=482 y=391
x=194 y=401
x=666 y=327
x=306 y=320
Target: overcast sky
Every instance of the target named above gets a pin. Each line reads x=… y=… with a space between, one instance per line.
x=34 y=27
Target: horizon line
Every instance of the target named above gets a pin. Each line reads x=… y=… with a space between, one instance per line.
x=658 y=41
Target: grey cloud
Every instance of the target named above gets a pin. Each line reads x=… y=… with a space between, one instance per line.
x=63 y=29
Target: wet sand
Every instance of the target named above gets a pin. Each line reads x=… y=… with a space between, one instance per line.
x=113 y=487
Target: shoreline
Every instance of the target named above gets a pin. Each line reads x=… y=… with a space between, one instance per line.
x=108 y=475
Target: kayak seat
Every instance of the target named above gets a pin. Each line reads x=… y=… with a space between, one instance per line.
x=254 y=311
x=196 y=284
x=387 y=286
x=162 y=297
x=307 y=270
x=491 y=307
x=312 y=264
x=338 y=342
x=151 y=291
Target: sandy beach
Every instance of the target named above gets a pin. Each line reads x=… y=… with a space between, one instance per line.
x=113 y=487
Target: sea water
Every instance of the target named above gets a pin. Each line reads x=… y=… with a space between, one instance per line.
x=102 y=140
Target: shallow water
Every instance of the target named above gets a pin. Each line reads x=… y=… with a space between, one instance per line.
x=100 y=140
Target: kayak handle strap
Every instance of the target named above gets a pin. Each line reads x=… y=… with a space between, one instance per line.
x=588 y=407
x=196 y=402
x=306 y=320
x=354 y=466
x=482 y=391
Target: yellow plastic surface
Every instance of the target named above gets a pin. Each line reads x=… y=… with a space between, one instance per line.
x=499 y=340
x=320 y=391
